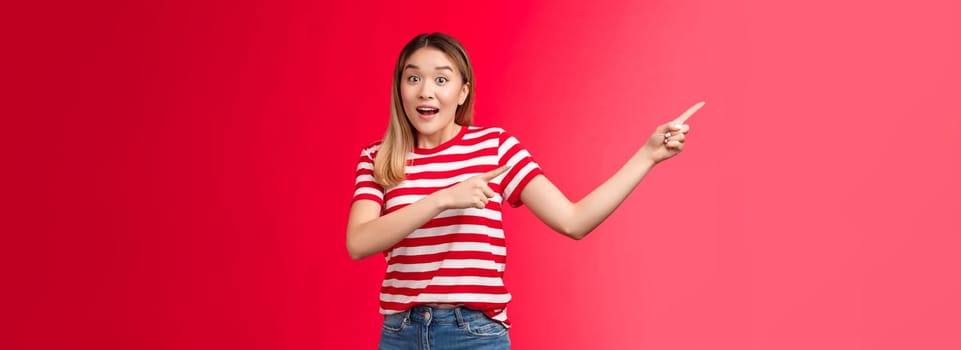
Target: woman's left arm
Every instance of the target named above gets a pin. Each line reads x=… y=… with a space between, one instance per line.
x=576 y=220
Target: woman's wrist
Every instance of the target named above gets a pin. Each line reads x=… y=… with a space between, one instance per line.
x=644 y=157
x=439 y=200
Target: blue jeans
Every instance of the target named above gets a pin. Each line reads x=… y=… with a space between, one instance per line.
x=428 y=328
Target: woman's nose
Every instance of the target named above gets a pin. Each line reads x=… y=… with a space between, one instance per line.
x=426 y=92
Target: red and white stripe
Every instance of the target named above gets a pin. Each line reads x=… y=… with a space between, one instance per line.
x=459 y=256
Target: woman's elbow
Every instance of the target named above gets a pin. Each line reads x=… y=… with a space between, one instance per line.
x=355 y=256
x=572 y=232
x=355 y=252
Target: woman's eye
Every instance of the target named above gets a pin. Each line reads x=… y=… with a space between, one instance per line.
x=441 y=80
x=413 y=78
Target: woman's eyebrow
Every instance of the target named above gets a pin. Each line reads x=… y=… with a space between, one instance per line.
x=412 y=66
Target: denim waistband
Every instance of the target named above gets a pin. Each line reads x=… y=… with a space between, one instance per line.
x=430 y=314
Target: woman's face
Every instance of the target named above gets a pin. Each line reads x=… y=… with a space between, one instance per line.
x=431 y=88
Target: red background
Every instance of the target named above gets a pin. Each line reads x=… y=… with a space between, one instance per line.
x=178 y=174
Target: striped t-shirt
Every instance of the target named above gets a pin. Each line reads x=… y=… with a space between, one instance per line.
x=458 y=257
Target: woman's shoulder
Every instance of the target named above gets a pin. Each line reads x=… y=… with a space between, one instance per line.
x=370 y=150
x=476 y=130
x=490 y=131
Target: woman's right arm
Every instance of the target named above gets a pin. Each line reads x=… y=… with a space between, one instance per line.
x=368 y=232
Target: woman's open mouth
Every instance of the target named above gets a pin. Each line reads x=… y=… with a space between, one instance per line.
x=427 y=112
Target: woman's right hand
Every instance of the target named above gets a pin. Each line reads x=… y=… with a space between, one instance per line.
x=668 y=139
x=471 y=193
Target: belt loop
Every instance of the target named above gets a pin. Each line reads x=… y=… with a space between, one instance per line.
x=458 y=316
x=407 y=315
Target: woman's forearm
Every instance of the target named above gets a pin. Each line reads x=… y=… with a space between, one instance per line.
x=383 y=232
x=591 y=210
x=369 y=233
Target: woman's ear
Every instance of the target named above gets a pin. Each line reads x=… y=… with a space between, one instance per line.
x=464 y=92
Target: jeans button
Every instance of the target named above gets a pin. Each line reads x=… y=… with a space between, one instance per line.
x=427 y=315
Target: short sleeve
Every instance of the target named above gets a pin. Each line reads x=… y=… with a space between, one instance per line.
x=523 y=168
x=364 y=186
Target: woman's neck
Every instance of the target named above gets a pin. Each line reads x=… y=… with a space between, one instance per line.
x=438 y=138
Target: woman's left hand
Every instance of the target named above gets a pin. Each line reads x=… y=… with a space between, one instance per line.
x=668 y=139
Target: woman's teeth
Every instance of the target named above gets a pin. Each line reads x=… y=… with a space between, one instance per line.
x=422 y=110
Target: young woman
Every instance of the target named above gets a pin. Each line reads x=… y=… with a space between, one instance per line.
x=429 y=197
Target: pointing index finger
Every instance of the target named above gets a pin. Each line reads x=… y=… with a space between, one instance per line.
x=490 y=175
x=688 y=113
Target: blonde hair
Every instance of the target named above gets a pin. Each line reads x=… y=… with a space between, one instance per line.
x=400 y=138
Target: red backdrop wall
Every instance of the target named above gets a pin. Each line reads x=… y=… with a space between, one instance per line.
x=178 y=174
